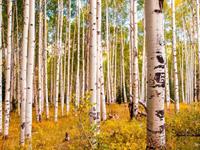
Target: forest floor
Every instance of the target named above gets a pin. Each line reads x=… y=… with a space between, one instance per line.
x=182 y=130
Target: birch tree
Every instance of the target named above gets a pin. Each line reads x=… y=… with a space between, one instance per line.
x=155 y=74
x=8 y=69
x=108 y=56
x=23 y=70
x=45 y=60
x=68 y=56
x=40 y=63
x=134 y=86
x=93 y=60
x=30 y=70
x=78 y=58
x=176 y=87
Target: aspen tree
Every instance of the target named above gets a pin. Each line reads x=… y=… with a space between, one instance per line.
x=78 y=58
x=30 y=71
x=61 y=61
x=100 y=63
x=167 y=89
x=134 y=87
x=83 y=55
x=18 y=62
x=155 y=74
x=93 y=60
x=24 y=70
x=40 y=64
x=108 y=55
x=123 y=68
x=45 y=60
x=144 y=70
x=176 y=87
x=68 y=56
x=1 y=67
x=8 y=70
x=58 y=53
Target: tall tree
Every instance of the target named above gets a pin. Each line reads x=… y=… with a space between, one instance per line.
x=40 y=62
x=24 y=70
x=30 y=70
x=134 y=82
x=155 y=74
x=68 y=56
x=109 y=97
x=93 y=60
x=78 y=57
x=8 y=69
x=176 y=87
x=45 y=60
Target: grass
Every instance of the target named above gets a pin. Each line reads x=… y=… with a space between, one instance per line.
x=118 y=133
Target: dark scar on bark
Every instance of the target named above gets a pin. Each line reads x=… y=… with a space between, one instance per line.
x=161 y=129
x=160 y=59
x=23 y=125
x=160 y=114
x=159 y=66
x=160 y=6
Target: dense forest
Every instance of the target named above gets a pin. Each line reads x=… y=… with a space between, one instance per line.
x=100 y=74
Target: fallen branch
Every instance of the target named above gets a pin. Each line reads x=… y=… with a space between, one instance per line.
x=143 y=103
x=173 y=101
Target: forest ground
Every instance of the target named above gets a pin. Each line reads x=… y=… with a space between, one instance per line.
x=182 y=130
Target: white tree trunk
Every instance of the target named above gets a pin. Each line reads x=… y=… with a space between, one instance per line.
x=134 y=54
x=68 y=57
x=23 y=70
x=8 y=70
x=93 y=61
x=123 y=90
x=78 y=59
x=45 y=60
x=155 y=74
x=167 y=89
x=109 y=97
x=144 y=68
x=30 y=71
x=40 y=64
x=83 y=59
x=62 y=92
x=176 y=87
x=1 y=67
x=58 y=53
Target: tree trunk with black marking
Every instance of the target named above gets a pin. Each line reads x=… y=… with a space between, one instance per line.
x=155 y=75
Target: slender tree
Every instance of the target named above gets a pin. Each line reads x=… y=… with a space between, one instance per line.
x=45 y=60
x=24 y=70
x=30 y=71
x=78 y=57
x=8 y=69
x=40 y=63
x=93 y=60
x=155 y=74
x=69 y=56
x=134 y=82
x=176 y=87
